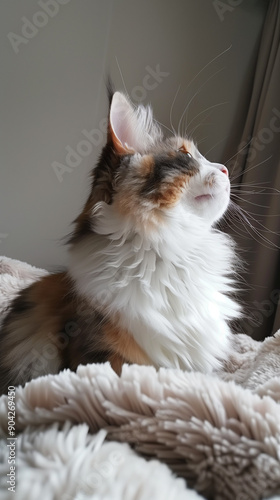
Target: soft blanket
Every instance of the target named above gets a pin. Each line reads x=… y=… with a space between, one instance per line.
x=159 y=435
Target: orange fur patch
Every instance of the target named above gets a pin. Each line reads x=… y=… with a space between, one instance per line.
x=116 y=362
x=126 y=203
x=123 y=345
x=147 y=165
x=187 y=146
x=169 y=195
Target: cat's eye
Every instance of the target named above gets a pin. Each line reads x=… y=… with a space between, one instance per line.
x=183 y=150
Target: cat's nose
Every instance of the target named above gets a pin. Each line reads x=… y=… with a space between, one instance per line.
x=224 y=169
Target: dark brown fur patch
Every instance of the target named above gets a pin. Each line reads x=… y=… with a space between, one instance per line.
x=168 y=179
x=27 y=336
x=49 y=328
x=102 y=189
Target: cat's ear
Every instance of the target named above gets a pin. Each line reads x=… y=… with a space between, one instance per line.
x=121 y=123
x=132 y=129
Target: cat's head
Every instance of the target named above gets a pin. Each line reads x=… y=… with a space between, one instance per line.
x=148 y=178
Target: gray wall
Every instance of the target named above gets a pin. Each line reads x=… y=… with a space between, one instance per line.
x=53 y=89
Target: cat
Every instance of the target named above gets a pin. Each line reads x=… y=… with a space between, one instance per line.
x=150 y=278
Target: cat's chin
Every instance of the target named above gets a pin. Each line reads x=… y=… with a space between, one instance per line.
x=211 y=206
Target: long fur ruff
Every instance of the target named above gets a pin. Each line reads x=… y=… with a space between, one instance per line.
x=169 y=288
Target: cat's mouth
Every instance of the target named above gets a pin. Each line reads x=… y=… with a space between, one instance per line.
x=209 y=196
x=203 y=197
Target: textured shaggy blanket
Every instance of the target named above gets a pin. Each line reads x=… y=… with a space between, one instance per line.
x=147 y=434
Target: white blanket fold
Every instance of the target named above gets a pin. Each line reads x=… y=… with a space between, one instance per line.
x=221 y=433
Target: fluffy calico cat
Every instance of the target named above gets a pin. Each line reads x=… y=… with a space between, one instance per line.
x=149 y=279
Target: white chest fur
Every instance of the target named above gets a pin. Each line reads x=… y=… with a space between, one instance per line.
x=169 y=289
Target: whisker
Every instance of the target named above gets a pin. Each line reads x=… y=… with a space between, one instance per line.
x=208 y=64
x=258 y=185
x=252 y=168
x=264 y=191
x=213 y=147
x=249 y=202
x=171 y=110
x=202 y=140
x=165 y=126
x=207 y=109
x=260 y=224
x=122 y=78
x=199 y=73
x=202 y=122
x=239 y=151
x=194 y=96
x=254 y=231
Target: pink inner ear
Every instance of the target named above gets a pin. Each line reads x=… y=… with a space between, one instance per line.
x=122 y=123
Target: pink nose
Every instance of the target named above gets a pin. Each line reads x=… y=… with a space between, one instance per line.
x=224 y=170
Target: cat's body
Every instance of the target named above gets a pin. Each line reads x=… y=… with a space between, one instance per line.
x=149 y=278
